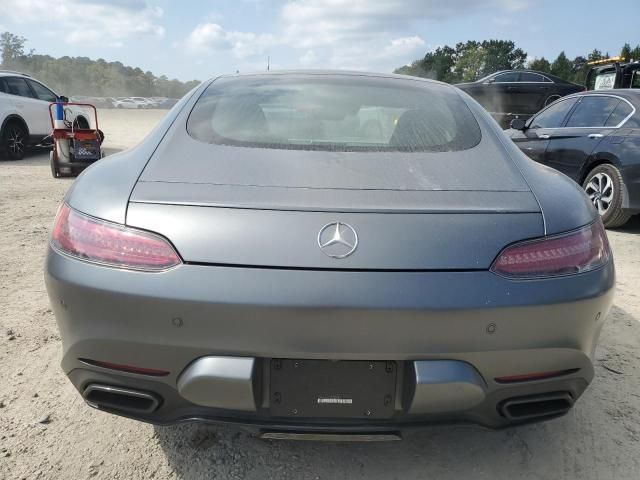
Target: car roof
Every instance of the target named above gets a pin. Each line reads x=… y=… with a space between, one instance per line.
x=12 y=73
x=527 y=70
x=631 y=94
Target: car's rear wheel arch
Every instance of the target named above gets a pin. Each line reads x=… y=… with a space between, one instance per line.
x=81 y=122
x=618 y=215
x=10 y=121
x=596 y=161
x=13 y=119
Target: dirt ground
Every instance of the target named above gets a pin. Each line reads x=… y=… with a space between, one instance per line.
x=46 y=430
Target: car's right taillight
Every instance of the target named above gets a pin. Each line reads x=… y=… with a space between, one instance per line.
x=574 y=252
x=94 y=240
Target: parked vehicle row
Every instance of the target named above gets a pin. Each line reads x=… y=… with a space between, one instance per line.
x=510 y=94
x=24 y=113
x=128 y=102
x=594 y=138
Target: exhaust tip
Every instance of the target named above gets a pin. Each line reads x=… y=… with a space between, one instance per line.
x=536 y=406
x=123 y=399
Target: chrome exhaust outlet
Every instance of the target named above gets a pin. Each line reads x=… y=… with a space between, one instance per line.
x=536 y=406
x=123 y=399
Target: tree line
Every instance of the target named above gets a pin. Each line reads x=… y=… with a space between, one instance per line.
x=471 y=60
x=466 y=61
x=83 y=76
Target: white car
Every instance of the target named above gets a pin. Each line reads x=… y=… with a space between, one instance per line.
x=146 y=102
x=24 y=113
x=134 y=103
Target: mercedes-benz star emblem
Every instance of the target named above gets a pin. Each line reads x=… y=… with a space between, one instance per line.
x=337 y=240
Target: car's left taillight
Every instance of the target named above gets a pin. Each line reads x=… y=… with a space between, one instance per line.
x=90 y=239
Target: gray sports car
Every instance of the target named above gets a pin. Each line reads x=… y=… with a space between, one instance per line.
x=313 y=253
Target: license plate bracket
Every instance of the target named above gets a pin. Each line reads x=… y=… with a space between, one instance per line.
x=332 y=389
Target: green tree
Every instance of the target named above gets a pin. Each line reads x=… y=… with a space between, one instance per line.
x=437 y=65
x=467 y=61
x=84 y=76
x=478 y=59
x=540 y=64
x=562 y=67
x=471 y=61
x=596 y=55
x=502 y=55
x=580 y=69
x=12 y=47
x=625 y=52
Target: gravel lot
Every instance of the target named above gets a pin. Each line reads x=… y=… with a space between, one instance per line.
x=46 y=431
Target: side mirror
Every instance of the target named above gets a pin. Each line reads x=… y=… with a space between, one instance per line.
x=518 y=124
x=64 y=99
x=491 y=80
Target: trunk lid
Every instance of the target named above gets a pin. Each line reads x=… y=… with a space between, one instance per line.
x=268 y=207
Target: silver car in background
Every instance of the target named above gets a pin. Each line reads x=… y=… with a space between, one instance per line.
x=322 y=252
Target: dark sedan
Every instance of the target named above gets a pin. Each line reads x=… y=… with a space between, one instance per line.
x=321 y=252
x=594 y=138
x=518 y=93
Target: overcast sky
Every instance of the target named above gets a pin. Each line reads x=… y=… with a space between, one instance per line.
x=198 y=39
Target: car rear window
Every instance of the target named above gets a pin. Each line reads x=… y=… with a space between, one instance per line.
x=333 y=113
x=533 y=77
x=619 y=114
x=592 y=111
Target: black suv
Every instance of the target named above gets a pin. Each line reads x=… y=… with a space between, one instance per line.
x=613 y=73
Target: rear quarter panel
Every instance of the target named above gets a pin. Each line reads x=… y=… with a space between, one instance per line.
x=623 y=151
x=564 y=204
x=7 y=108
x=103 y=189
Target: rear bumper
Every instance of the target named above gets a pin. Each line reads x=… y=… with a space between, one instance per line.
x=168 y=321
x=490 y=412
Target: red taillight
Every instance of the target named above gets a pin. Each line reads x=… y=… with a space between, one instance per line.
x=126 y=368
x=535 y=376
x=111 y=244
x=574 y=252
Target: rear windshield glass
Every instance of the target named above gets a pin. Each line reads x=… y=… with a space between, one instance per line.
x=320 y=112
